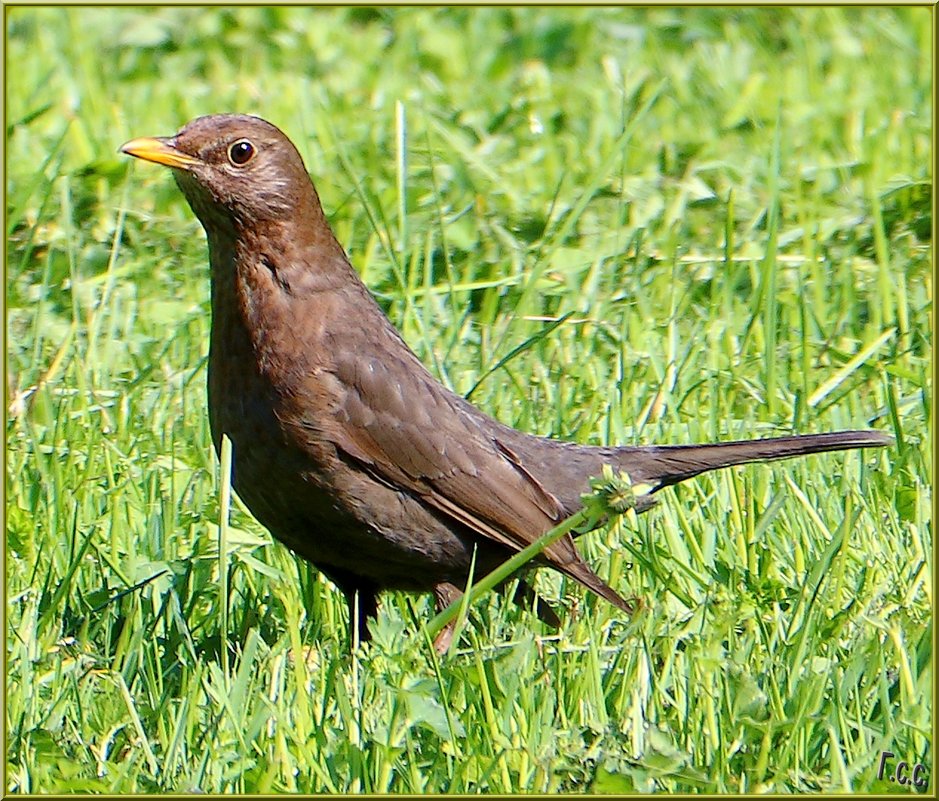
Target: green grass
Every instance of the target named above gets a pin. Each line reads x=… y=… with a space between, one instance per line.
x=731 y=210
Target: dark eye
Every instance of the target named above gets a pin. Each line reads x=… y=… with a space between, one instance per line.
x=241 y=152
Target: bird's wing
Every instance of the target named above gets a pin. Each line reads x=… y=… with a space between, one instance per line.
x=406 y=429
x=415 y=435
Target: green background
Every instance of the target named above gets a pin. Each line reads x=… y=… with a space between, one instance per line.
x=730 y=211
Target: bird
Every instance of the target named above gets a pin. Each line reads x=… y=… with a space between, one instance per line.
x=344 y=446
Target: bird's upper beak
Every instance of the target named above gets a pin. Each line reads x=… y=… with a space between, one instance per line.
x=161 y=150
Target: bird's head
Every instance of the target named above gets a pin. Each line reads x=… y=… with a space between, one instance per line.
x=232 y=168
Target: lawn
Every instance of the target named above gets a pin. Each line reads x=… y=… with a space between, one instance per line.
x=608 y=225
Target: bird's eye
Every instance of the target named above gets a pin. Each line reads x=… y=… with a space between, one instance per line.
x=241 y=152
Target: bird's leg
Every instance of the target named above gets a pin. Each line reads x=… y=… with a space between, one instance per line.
x=445 y=594
x=363 y=605
x=362 y=600
x=524 y=595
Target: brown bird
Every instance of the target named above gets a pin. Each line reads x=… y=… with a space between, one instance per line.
x=344 y=446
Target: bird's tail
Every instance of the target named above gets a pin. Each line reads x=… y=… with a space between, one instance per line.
x=664 y=465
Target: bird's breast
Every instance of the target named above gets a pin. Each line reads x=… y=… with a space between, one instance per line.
x=257 y=358
x=287 y=470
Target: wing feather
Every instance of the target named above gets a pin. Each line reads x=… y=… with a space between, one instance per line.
x=414 y=434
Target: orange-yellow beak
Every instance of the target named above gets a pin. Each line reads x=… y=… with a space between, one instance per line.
x=159 y=150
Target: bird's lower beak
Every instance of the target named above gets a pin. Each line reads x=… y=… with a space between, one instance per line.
x=160 y=150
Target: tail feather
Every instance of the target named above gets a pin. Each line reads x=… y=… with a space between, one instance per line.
x=664 y=465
